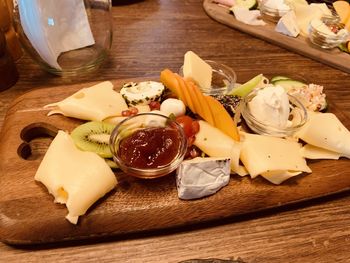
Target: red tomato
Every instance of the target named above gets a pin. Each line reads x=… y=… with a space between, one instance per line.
x=154 y=105
x=186 y=123
x=126 y=113
x=133 y=110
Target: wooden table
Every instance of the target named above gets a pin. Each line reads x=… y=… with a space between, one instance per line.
x=152 y=35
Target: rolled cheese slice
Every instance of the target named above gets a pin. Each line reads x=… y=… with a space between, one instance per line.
x=215 y=143
x=75 y=178
x=272 y=157
x=324 y=130
x=95 y=103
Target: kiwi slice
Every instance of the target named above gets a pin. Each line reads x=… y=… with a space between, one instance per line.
x=94 y=136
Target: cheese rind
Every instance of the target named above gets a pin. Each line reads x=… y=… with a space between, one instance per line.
x=201 y=177
x=264 y=154
x=287 y=25
x=198 y=70
x=75 y=178
x=95 y=103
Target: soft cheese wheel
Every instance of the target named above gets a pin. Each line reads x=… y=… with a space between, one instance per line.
x=95 y=103
x=266 y=154
x=325 y=130
x=75 y=178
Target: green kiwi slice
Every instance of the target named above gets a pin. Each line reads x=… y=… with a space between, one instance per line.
x=94 y=136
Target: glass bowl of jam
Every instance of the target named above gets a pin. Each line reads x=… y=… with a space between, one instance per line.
x=223 y=78
x=148 y=145
x=273 y=10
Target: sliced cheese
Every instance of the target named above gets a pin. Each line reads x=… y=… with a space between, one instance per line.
x=215 y=143
x=201 y=177
x=277 y=177
x=95 y=103
x=325 y=130
x=198 y=70
x=313 y=152
x=75 y=178
x=265 y=154
x=246 y=16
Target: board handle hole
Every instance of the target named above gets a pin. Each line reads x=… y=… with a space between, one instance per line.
x=36 y=139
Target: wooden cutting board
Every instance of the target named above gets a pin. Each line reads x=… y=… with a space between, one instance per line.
x=300 y=45
x=28 y=214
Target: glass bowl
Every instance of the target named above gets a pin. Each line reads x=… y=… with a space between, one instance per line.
x=148 y=145
x=223 y=79
x=327 y=40
x=65 y=37
x=297 y=117
x=270 y=13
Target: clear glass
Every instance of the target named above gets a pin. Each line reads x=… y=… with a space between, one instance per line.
x=223 y=79
x=327 y=41
x=297 y=117
x=144 y=121
x=272 y=14
x=65 y=37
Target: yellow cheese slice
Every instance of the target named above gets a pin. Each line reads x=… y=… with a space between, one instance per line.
x=95 y=103
x=265 y=154
x=313 y=152
x=325 y=130
x=305 y=13
x=215 y=143
x=75 y=178
x=277 y=177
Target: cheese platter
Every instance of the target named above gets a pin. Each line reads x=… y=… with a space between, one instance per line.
x=268 y=31
x=31 y=158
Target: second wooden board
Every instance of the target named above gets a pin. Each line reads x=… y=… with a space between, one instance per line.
x=300 y=44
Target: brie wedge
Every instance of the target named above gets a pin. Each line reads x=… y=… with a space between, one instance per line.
x=95 y=103
x=287 y=25
x=75 y=178
x=201 y=177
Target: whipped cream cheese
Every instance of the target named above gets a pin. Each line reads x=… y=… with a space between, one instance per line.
x=270 y=106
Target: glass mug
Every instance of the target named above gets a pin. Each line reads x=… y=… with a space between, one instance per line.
x=65 y=37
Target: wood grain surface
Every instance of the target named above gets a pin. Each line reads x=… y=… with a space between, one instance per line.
x=149 y=36
x=135 y=205
x=302 y=45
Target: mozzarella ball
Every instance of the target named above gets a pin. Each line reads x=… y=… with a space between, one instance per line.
x=173 y=106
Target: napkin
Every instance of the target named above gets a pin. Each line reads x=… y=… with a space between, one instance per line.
x=55 y=26
x=201 y=177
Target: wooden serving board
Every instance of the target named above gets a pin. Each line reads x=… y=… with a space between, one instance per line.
x=300 y=44
x=28 y=214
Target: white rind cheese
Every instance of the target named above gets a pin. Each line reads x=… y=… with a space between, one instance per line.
x=324 y=130
x=95 y=103
x=287 y=25
x=271 y=155
x=198 y=70
x=75 y=178
x=201 y=177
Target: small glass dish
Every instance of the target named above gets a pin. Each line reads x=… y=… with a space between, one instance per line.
x=319 y=36
x=148 y=145
x=297 y=117
x=223 y=79
x=270 y=13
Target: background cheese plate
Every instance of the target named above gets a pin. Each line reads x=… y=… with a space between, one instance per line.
x=300 y=44
x=28 y=214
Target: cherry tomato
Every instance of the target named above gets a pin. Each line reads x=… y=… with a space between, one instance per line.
x=195 y=127
x=154 y=105
x=186 y=123
x=126 y=113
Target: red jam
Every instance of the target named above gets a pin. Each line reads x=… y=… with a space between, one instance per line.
x=150 y=148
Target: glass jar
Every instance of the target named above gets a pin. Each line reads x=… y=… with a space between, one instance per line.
x=65 y=37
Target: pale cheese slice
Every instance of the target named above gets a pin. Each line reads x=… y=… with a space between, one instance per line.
x=75 y=178
x=215 y=143
x=95 y=103
x=246 y=16
x=265 y=154
x=325 y=130
x=198 y=70
x=277 y=177
x=312 y=152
